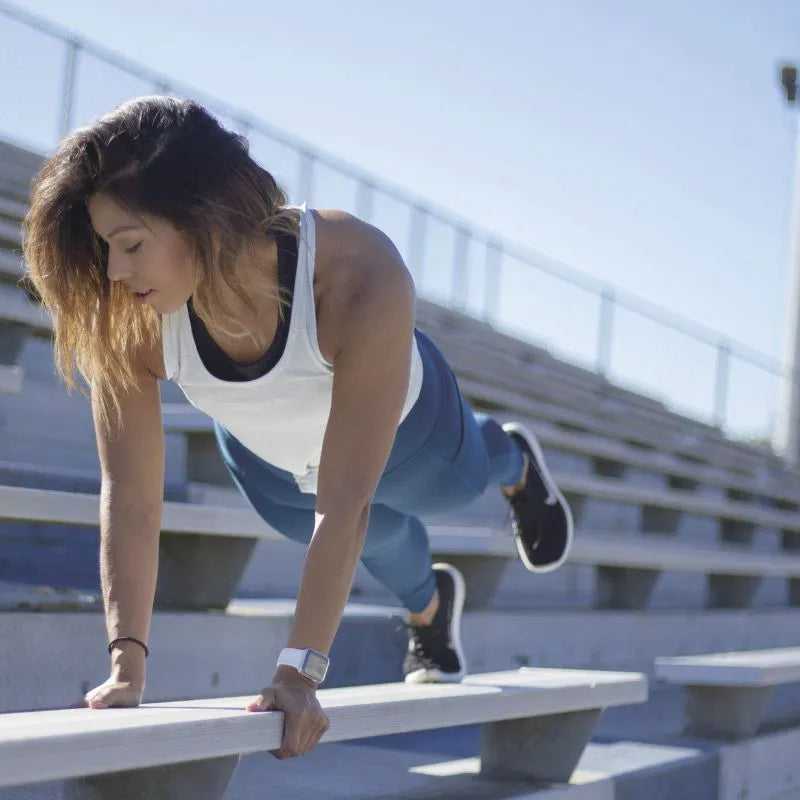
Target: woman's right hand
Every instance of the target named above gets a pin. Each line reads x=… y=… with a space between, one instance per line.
x=115 y=692
x=124 y=686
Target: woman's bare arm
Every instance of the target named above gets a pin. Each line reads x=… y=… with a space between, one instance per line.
x=131 y=455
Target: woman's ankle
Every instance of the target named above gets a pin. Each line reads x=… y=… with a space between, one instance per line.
x=425 y=617
x=510 y=491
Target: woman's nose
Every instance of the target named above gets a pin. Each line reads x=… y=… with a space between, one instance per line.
x=117 y=269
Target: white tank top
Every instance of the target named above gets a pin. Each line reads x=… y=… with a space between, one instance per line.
x=281 y=416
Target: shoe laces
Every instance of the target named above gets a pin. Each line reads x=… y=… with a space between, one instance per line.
x=426 y=642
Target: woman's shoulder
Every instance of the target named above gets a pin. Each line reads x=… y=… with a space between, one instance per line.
x=350 y=250
x=357 y=264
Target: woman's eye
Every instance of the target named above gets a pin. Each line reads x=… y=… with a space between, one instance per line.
x=133 y=249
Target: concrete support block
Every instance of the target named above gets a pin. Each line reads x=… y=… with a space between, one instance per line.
x=736 y=531
x=794 y=592
x=725 y=711
x=198 y=571
x=577 y=505
x=12 y=339
x=625 y=587
x=682 y=484
x=207 y=779
x=203 y=461
x=608 y=468
x=482 y=574
x=790 y=540
x=543 y=748
x=660 y=520
x=732 y=591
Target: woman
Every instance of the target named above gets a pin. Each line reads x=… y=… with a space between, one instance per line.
x=162 y=250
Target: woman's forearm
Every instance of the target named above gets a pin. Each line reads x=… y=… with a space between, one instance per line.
x=327 y=578
x=129 y=534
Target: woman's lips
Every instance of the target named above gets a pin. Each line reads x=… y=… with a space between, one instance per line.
x=143 y=295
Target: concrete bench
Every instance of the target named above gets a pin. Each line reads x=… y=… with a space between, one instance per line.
x=726 y=694
x=204 y=550
x=536 y=723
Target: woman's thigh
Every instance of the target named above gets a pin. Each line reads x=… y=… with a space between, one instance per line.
x=271 y=492
x=444 y=461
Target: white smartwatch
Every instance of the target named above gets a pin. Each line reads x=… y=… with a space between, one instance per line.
x=307 y=662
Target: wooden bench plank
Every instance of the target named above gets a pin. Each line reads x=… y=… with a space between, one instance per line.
x=51 y=745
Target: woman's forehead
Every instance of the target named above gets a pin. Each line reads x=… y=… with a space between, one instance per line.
x=108 y=216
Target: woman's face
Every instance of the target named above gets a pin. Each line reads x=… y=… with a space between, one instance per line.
x=145 y=253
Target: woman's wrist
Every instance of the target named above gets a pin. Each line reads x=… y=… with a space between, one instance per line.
x=289 y=675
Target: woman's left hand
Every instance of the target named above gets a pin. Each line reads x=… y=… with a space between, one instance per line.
x=304 y=721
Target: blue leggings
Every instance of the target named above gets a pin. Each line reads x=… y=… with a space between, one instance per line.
x=444 y=456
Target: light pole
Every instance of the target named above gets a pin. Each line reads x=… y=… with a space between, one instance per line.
x=787 y=435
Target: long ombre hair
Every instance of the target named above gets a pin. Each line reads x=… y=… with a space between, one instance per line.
x=170 y=159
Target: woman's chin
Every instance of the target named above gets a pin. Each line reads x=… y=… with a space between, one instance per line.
x=162 y=305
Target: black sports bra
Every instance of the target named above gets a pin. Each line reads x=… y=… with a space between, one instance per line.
x=216 y=360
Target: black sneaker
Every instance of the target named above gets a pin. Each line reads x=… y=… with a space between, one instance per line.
x=541 y=516
x=434 y=651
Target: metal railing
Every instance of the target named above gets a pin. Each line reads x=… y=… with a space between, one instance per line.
x=501 y=300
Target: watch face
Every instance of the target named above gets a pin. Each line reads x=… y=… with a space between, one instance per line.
x=316 y=665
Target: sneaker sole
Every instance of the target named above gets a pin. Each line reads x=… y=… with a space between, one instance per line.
x=536 y=449
x=436 y=675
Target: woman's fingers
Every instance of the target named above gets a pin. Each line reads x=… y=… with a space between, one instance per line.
x=304 y=721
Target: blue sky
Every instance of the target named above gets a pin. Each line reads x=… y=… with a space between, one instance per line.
x=644 y=142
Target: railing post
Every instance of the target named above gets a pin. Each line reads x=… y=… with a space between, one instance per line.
x=417 y=231
x=68 y=87
x=306 y=179
x=721 y=383
x=494 y=274
x=605 y=332
x=365 y=200
x=458 y=296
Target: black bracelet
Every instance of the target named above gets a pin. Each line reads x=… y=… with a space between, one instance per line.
x=127 y=639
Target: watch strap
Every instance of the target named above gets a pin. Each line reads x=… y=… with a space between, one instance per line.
x=298 y=657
